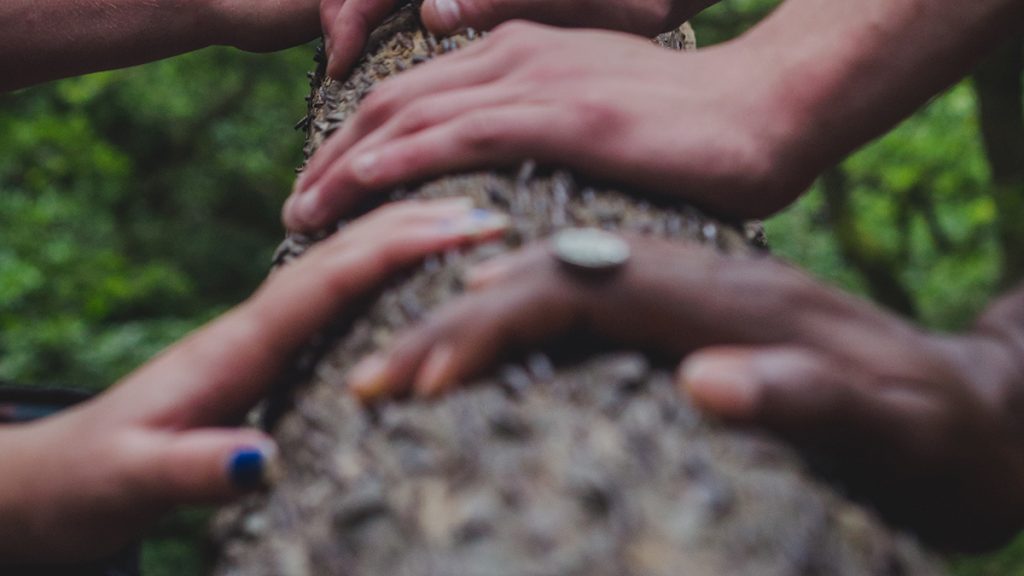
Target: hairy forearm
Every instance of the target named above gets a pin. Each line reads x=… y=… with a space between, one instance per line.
x=42 y=40
x=848 y=71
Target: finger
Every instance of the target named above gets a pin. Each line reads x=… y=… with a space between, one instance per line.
x=222 y=370
x=328 y=12
x=430 y=111
x=448 y=16
x=466 y=337
x=496 y=137
x=452 y=72
x=804 y=395
x=501 y=269
x=350 y=29
x=198 y=467
x=324 y=199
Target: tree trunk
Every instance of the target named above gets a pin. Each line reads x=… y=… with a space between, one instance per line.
x=564 y=462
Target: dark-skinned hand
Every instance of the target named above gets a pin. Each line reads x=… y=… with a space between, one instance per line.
x=79 y=485
x=348 y=23
x=922 y=424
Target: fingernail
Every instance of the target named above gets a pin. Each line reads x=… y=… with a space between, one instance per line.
x=289 y=206
x=307 y=206
x=253 y=467
x=724 y=386
x=449 y=14
x=328 y=53
x=457 y=203
x=369 y=378
x=485 y=273
x=478 y=222
x=365 y=167
x=434 y=376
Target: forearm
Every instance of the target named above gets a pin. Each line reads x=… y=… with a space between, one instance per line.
x=16 y=520
x=848 y=71
x=43 y=40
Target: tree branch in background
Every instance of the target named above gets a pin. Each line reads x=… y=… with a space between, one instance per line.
x=920 y=200
x=872 y=261
x=997 y=83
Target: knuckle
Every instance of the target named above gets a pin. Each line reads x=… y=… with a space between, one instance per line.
x=393 y=214
x=418 y=117
x=596 y=117
x=483 y=132
x=406 y=348
x=518 y=39
x=337 y=271
x=510 y=30
x=534 y=257
x=379 y=103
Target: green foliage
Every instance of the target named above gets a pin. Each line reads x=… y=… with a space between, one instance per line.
x=175 y=546
x=136 y=204
x=932 y=164
x=1007 y=562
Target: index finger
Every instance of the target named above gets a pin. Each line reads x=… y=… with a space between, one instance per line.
x=220 y=371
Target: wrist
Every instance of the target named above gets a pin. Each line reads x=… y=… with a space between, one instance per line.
x=778 y=117
x=20 y=529
x=835 y=78
x=989 y=364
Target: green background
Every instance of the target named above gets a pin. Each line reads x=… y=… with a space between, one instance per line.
x=137 y=204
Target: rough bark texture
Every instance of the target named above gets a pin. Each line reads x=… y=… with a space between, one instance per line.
x=553 y=466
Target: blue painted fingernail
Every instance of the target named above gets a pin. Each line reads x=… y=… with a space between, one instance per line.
x=248 y=468
x=479 y=222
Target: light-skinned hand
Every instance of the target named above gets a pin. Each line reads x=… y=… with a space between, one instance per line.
x=79 y=485
x=706 y=127
x=348 y=23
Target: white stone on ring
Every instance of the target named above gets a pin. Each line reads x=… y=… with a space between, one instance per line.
x=590 y=249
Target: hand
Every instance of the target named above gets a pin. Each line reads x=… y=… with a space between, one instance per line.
x=928 y=427
x=266 y=25
x=710 y=127
x=347 y=23
x=81 y=484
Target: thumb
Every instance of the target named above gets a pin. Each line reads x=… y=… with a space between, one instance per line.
x=203 y=466
x=448 y=16
x=794 y=391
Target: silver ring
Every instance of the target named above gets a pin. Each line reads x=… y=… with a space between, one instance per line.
x=590 y=249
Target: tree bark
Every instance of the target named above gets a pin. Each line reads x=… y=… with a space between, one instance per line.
x=571 y=460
